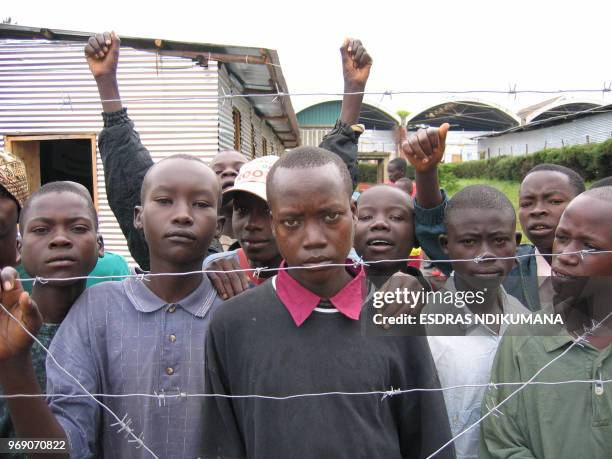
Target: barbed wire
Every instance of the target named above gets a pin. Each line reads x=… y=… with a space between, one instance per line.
x=356 y=263
x=124 y=423
x=385 y=393
x=495 y=409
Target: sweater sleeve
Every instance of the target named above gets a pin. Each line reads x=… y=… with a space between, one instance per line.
x=429 y=225
x=126 y=161
x=343 y=140
x=424 y=422
x=222 y=437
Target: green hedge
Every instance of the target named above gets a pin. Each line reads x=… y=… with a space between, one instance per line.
x=368 y=173
x=592 y=161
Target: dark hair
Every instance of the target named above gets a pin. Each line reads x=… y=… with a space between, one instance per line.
x=399 y=163
x=59 y=187
x=478 y=197
x=603 y=193
x=576 y=181
x=606 y=181
x=307 y=158
x=184 y=156
x=405 y=180
x=4 y=193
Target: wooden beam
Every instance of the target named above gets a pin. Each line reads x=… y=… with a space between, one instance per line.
x=275 y=118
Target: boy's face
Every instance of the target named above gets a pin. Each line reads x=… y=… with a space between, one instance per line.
x=226 y=165
x=543 y=197
x=252 y=226
x=586 y=224
x=394 y=173
x=312 y=220
x=385 y=225
x=59 y=237
x=8 y=232
x=482 y=233
x=178 y=213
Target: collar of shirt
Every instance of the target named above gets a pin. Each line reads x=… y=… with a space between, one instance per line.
x=244 y=264
x=466 y=311
x=542 y=267
x=301 y=302
x=196 y=303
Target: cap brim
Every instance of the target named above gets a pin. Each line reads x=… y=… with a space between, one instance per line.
x=256 y=188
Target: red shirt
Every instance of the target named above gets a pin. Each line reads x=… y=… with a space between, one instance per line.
x=244 y=264
x=301 y=302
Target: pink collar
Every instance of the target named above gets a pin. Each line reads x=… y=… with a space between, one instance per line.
x=301 y=302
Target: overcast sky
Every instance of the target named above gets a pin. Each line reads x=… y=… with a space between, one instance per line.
x=435 y=45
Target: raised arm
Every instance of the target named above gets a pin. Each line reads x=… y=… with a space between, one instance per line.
x=31 y=417
x=343 y=139
x=425 y=150
x=125 y=159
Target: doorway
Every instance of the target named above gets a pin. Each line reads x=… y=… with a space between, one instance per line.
x=49 y=158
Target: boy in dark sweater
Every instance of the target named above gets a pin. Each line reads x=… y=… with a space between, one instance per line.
x=300 y=333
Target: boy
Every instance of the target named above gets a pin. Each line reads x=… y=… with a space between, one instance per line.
x=405 y=184
x=126 y=160
x=544 y=193
x=564 y=420
x=385 y=231
x=300 y=333
x=13 y=192
x=59 y=228
x=396 y=169
x=480 y=222
x=251 y=214
x=137 y=336
x=227 y=165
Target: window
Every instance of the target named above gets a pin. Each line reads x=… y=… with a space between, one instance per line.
x=237 y=128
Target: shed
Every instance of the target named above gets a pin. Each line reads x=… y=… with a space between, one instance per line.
x=183 y=97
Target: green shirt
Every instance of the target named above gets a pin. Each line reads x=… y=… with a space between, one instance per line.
x=549 y=421
x=110 y=264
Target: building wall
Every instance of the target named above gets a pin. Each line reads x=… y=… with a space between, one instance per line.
x=46 y=87
x=589 y=129
x=248 y=117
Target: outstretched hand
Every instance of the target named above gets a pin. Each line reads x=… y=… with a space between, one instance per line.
x=425 y=148
x=356 y=64
x=14 y=341
x=102 y=53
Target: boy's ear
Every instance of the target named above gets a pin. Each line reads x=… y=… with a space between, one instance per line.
x=354 y=210
x=19 y=247
x=100 y=241
x=443 y=239
x=220 y=223
x=518 y=236
x=138 y=217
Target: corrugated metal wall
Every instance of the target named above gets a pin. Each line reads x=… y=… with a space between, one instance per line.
x=247 y=118
x=46 y=87
x=597 y=127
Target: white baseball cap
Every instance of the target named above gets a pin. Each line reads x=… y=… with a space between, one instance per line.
x=252 y=178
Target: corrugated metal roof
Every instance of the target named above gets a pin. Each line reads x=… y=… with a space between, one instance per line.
x=553 y=121
x=260 y=73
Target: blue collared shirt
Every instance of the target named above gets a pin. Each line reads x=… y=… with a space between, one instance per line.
x=120 y=338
